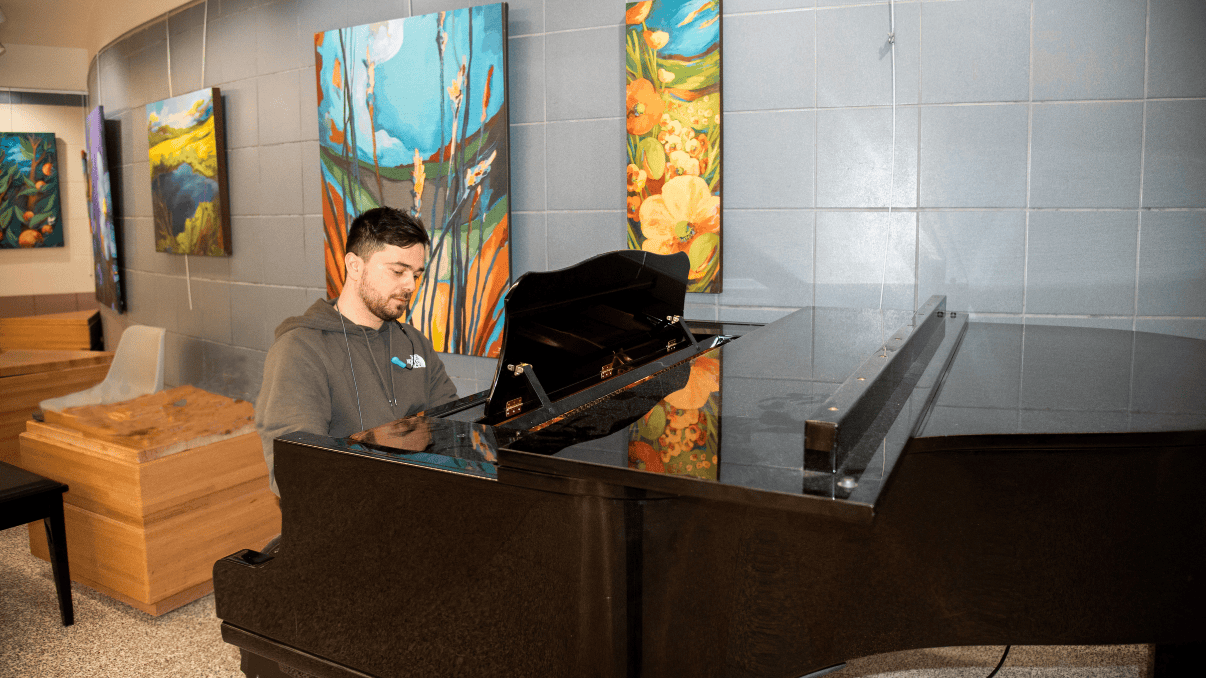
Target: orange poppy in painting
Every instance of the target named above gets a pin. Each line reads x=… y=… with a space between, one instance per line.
x=684 y=209
x=656 y=39
x=643 y=453
x=703 y=382
x=644 y=106
x=638 y=12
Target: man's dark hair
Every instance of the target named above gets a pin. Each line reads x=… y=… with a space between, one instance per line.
x=383 y=226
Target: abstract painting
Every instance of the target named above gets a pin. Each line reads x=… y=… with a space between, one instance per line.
x=189 y=201
x=413 y=114
x=673 y=120
x=30 y=208
x=681 y=434
x=105 y=266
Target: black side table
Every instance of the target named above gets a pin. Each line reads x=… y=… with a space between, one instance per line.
x=26 y=497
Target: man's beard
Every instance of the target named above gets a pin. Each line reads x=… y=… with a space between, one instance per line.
x=379 y=305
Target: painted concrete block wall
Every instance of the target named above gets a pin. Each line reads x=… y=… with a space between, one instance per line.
x=52 y=270
x=1050 y=164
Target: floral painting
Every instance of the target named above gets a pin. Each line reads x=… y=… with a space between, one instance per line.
x=188 y=174
x=105 y=266
x=681 y=434
x=30 y=209
x=413 y=115
x=673 y=121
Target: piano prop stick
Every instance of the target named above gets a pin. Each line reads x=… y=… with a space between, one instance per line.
x=978 y=484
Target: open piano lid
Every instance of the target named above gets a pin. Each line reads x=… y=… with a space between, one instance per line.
x=569 y=329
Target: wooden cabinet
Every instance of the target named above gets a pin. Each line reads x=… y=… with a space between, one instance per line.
x=72 y=330
x=160 y=487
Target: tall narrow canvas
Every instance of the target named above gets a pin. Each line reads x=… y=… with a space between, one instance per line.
x=30 y=207
x=673 y=120
x=188 y=174
x=412 y=114
x=105 y=266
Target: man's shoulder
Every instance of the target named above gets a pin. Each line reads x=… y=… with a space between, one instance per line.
x=299 y=337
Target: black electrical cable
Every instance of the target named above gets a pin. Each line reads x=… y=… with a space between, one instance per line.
x=1000 y=663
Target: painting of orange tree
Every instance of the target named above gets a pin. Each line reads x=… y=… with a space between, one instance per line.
x=673 y=121
x=681 y=434
x=188 y=174
x=412 y=114
x=29 y=191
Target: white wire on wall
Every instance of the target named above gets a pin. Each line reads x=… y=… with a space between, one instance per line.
x=891 y=181
x=188 y=278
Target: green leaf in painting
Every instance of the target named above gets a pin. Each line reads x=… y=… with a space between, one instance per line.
x=652 y=426
x=653 y=157
x=704 y=259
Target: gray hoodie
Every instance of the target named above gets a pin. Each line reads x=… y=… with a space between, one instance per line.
x=310 y=386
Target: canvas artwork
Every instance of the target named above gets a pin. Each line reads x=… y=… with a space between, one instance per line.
x=413 y=115
x=681 y=434
x=188 y=174
x=106 y=270
x=30 y=207
x=673 y=120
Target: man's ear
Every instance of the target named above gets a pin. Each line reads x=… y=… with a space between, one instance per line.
x=353 y=265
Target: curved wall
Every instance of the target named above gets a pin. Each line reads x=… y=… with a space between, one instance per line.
x=1049 y=162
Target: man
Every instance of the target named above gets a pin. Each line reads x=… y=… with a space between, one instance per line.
x=346 y=366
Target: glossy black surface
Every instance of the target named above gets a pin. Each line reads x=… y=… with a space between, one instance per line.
x=576 y=326
x=773 y=380
x=389 y=568
x=1051 y=495
x=1037 y=379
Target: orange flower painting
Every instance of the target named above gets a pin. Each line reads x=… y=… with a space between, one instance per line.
x=673 y=120
x=681 y=434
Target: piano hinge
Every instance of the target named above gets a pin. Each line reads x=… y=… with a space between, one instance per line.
x=605 y=371
x=514 y=405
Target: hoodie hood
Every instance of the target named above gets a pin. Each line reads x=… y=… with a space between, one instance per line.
x=320 y=316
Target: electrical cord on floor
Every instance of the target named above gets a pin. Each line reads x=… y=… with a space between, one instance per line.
x=1000 y=663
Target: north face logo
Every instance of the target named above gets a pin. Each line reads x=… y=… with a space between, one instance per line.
x=411 y=363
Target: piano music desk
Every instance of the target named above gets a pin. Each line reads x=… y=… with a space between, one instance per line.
x=161 y=487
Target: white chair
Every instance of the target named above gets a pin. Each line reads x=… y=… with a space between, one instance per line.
x=136 y=370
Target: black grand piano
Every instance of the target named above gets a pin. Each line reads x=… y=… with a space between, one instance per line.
x=639 y=495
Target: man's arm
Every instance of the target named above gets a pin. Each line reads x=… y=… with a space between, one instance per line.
x=295 y=396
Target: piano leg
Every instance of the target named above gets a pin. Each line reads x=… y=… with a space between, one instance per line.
x=255 y=666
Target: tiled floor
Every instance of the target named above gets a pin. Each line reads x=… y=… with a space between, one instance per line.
x=112 y=639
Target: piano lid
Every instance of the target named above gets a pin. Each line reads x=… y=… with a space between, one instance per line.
x=983 y=385
x=733 y=422
x=577 y=326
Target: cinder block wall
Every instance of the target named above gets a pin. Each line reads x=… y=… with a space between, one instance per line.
x=1050 y=161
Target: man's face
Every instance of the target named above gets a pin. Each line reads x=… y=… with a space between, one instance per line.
x=389 y=279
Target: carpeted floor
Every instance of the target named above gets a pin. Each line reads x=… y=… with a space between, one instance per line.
x=112 y=639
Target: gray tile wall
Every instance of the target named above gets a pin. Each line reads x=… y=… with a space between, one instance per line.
x=1050 y=161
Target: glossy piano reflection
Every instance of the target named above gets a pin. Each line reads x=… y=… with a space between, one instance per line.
x=852 y=482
